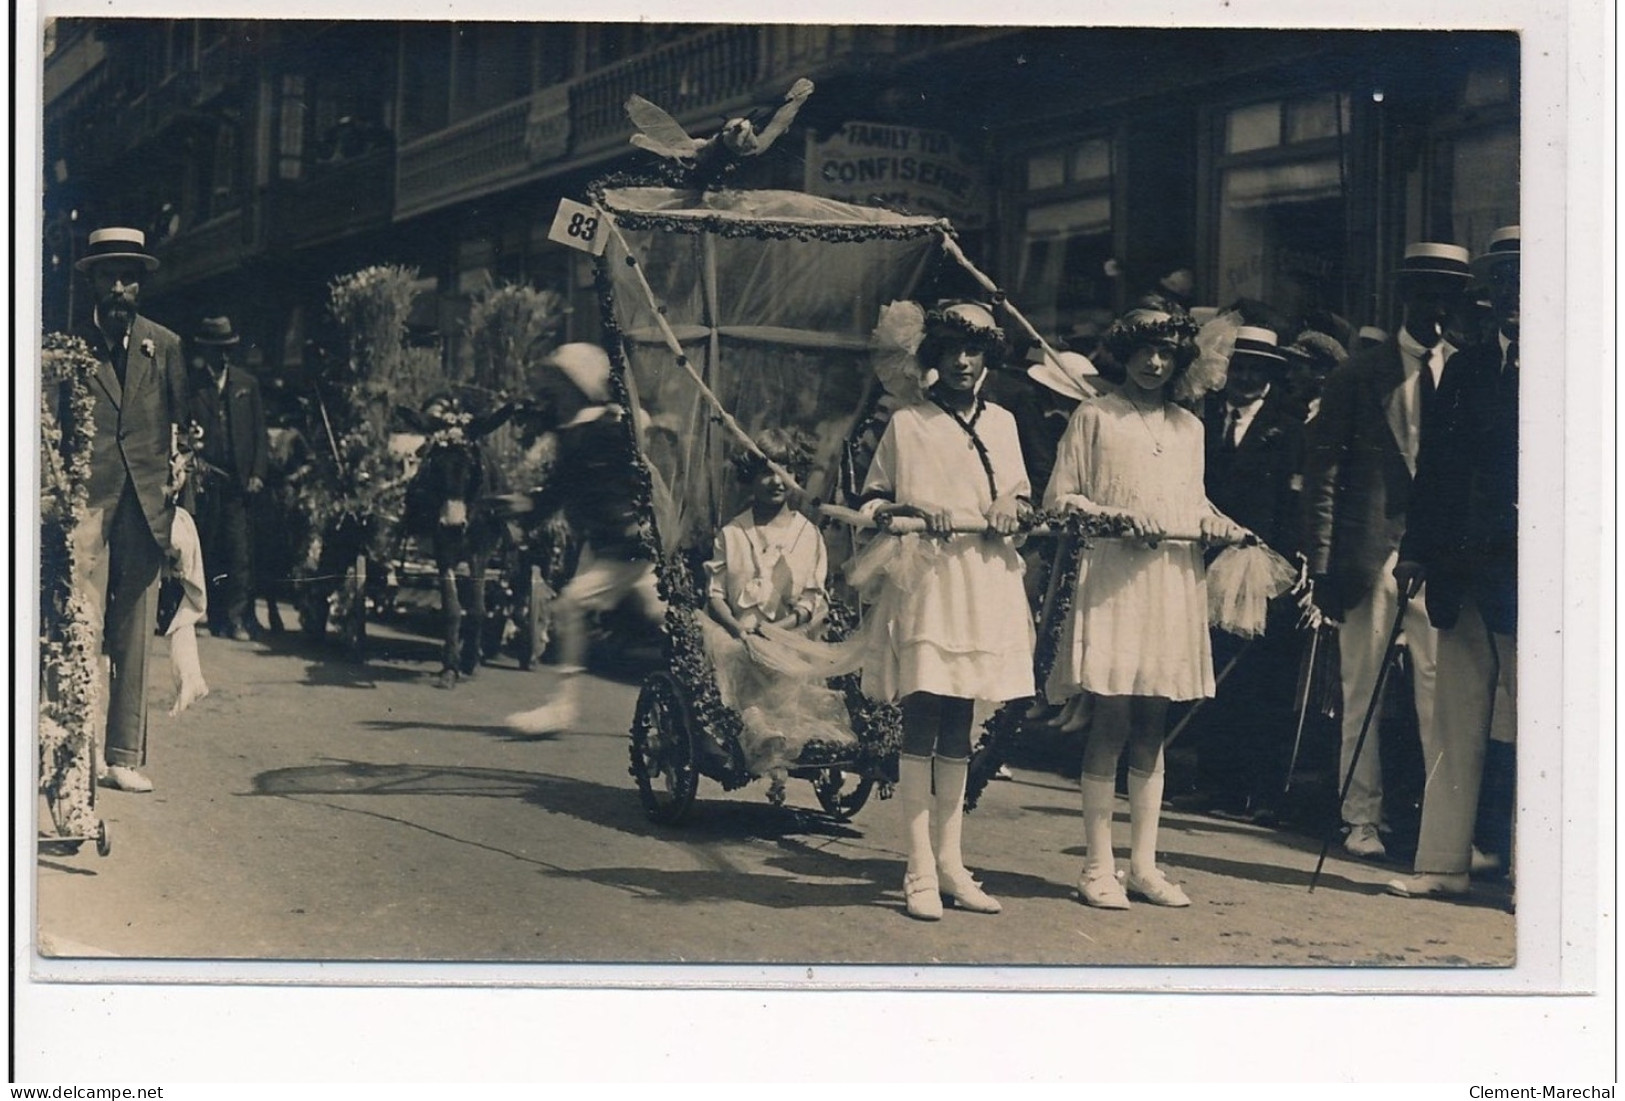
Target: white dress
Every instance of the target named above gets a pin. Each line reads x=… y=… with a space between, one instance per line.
x=1139 y=619
x=768 y=572
x=956 y=621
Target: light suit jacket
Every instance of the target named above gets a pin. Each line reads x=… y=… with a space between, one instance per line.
x=134 y=421
x=1357 y=480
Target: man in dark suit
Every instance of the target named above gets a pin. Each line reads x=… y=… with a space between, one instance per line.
x=139 y=396
x=1462 y=541
x=1357 y=487
x=1253 y=472
x=235 y=448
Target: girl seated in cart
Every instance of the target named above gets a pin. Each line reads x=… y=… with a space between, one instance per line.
x=766 y=575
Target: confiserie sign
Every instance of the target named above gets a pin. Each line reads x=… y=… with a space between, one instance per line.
x=902 y=167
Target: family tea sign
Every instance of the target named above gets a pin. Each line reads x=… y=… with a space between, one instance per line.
x=902 y=167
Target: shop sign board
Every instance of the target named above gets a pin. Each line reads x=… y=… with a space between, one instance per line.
x=902 y=167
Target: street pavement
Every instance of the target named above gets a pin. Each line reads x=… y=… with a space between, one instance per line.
x=315 y=809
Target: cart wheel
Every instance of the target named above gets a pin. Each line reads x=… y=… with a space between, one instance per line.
x=663 y=751
x=842 y=794
x=104 y=842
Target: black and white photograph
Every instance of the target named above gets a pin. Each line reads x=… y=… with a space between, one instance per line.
x=931 y=506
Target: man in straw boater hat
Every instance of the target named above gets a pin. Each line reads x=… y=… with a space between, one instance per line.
x=235 y=450
x=1462 y=541
x=138 y=400
x=1357 y=486
x=1253 y=474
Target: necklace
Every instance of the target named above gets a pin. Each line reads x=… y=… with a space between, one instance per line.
x=1156 y=441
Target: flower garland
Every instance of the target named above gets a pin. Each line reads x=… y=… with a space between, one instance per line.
x=755 y=228
x=1076 y=533
x=68 y=651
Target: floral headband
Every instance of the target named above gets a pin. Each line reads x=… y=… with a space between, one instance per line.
x=1143 y=326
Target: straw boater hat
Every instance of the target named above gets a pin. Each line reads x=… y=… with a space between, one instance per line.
x=1262 y=345
x=117 y=243
x=1435 y=258
x=1503 y=247
x=215 y=331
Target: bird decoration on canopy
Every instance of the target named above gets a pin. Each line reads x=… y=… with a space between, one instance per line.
x=706 y=161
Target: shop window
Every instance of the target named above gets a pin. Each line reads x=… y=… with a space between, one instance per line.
x=1066 y=246
x=1066 y=238
x=1091 y=161
x=1257 y=126
x=1045 y=171
x=1088 y=162
x=1281 y=204
x=1316 y=117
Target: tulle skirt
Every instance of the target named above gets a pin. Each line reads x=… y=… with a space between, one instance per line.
x=780 y=714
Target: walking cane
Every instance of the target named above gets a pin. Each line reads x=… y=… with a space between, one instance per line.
x=1365 y=727
x=1303 y=708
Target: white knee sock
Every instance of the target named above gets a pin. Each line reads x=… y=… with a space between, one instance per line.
x=950 y=773
x=1144 y=812
x=1099 y=797
x=914 y=794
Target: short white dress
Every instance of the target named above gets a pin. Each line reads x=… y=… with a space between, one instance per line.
x=955 y=615
x=1139 y=619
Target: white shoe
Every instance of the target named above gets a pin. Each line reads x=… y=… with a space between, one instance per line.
x=124 y=778
x=1155 y=888
x=957 y=886
x=1429 y=885
x=921 y=897
x=1100 y=887
x=552 y=716
x=1364 y=840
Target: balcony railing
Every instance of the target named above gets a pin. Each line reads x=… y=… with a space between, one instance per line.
x=218 y=245
x=692 y=78
x=334 y=201
x=464 y=158
x=712 y=72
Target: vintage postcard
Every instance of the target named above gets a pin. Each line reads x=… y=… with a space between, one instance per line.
x=944 y=505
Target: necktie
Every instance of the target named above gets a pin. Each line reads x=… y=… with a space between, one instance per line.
x=1232 y=426
x=1429 y=383
x=118 y=348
